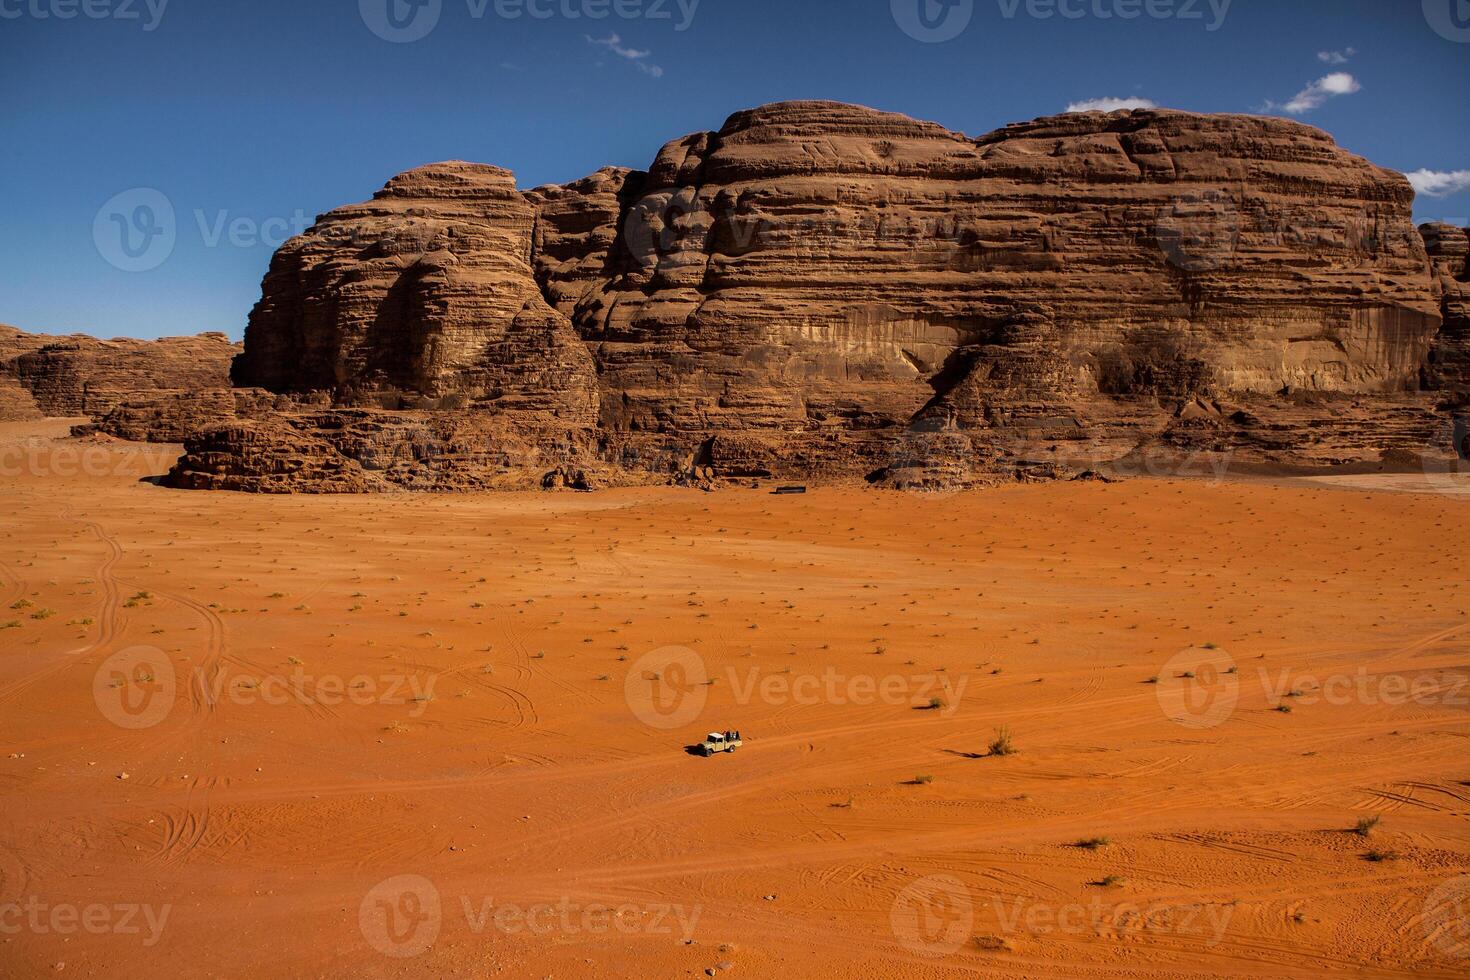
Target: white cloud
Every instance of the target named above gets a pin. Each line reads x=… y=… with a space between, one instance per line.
x=1315 y=94
x=1440 y=183
x=614 y=43
x=1336 y=57
x=1109 y=104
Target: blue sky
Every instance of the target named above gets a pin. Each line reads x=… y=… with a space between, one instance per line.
x=247 y=117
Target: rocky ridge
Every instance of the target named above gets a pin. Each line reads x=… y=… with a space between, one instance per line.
x=826 y=292
x=79 y=375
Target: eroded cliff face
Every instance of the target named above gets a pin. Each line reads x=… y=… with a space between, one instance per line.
x=422 y=297
x=825 y=290
x=818 y=269
x=1449 y=359
x=82 y=376
x=17 y=404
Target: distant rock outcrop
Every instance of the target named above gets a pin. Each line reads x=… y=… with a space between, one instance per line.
x=825 y=291
x=362 y=450
x=173 y=415
x=82 y=376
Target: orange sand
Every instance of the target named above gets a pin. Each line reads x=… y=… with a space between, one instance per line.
x=264 y=807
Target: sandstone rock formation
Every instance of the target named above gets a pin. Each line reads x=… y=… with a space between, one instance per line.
x=367 y=450
x=423 y=297
x=1449 y=360
x=171 y=416
x=16 y=403
x=80 y=375
x=826 y=291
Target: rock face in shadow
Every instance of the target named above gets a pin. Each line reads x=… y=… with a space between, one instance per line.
x=80 y=375
x=1449 y=359
x=17 y=404
x=829 y=292
x=422 y=297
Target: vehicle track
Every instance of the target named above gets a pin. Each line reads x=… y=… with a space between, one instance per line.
x=110 y=622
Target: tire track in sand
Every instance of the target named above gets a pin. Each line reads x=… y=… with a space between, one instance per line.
x=109 y=617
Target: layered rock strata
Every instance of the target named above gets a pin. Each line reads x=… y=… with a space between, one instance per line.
x=826 y=291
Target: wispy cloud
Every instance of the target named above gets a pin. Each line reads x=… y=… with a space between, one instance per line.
x=614 y=43
x=1315 y=94
x=1440 y=183
x=1337 y=57
x=1109 y=104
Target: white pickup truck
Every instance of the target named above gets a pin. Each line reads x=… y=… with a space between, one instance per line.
x=717 y=742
